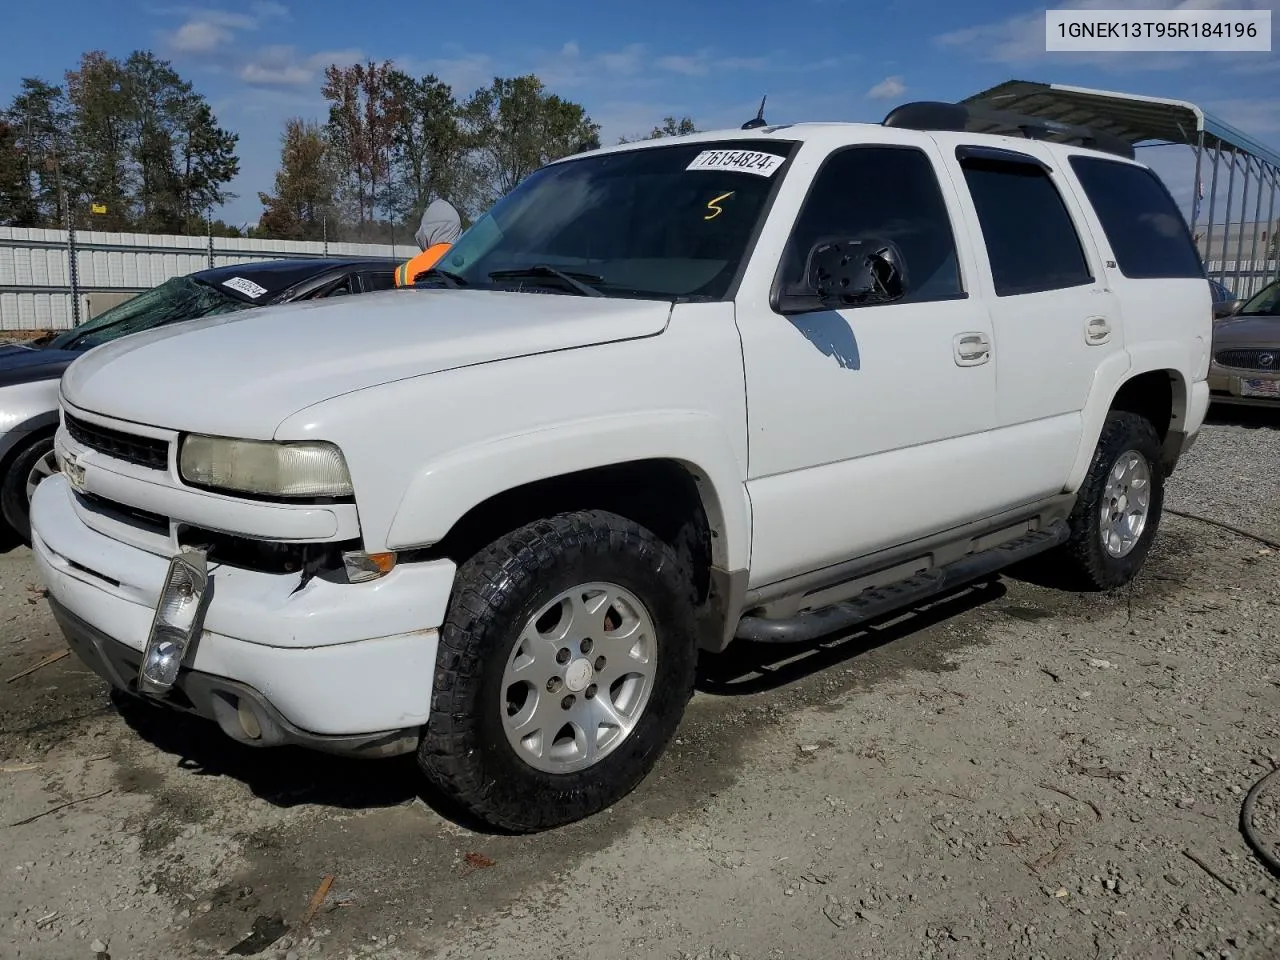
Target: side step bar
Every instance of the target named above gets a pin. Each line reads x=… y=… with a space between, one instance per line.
x=878 y=601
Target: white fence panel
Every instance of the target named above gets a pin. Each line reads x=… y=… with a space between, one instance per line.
x=35 y=280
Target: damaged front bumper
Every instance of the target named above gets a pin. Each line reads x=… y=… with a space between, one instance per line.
x=339 y=667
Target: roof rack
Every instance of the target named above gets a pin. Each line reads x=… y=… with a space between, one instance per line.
x=968 y=118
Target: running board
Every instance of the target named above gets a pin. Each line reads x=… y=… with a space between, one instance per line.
x=878 y=601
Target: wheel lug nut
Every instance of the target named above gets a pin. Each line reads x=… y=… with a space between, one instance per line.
x=586 y=646
x=553 y=684
x=599 y=664
x=563 y=655
x=591 y=692
x=567 y=702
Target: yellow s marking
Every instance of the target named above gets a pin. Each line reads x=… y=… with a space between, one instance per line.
x=714 y=204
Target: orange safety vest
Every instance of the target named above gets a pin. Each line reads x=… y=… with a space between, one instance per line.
x=408 y=271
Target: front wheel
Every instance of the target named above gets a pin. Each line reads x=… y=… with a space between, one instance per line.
x=1118 y=507
x=565 y=664
x=33 y=464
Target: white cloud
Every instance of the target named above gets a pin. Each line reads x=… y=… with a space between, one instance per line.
x=283 y=75
x=284 y=66
x=464 y=72
x=208 y=30
x=1020 y=39
x=198 y=36
x=1257 y=117
x=890 y=88
x=625 y=61
x=269 y=10
x=704 y=62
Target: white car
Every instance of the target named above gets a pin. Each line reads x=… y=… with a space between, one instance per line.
x=763 y=384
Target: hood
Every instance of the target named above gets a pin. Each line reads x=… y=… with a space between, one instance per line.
x=20 y=363
x=1262 y=331
x=241 y=374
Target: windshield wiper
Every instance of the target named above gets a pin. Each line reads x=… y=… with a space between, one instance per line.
x=578 y=282
x=451 y=279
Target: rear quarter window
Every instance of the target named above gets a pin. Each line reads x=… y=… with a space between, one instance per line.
x=1144 y=226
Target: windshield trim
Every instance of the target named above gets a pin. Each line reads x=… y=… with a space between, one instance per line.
x=766 y=210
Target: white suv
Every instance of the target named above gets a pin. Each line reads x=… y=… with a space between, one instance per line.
x=765 y=383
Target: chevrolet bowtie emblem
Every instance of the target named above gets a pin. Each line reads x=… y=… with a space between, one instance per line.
x=74 y=472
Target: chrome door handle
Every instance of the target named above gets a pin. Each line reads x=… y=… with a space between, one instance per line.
x=1097 y=331
x=971 y=349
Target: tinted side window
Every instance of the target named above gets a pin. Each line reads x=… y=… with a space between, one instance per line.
x=1031 y=241
x=883 y=192
x=380 y=280
x=339 y=289
x=1140 y=219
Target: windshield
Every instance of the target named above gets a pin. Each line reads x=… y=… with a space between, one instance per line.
x=181 y=298
x=671 y=222
x=1265 y=303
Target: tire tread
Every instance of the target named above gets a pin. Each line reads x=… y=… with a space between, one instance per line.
x=485 y=584
x=1083 y=553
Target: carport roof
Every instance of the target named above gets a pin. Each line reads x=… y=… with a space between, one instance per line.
x=1137 y=119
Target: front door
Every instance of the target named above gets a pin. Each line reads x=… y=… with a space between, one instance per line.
x=867 y=425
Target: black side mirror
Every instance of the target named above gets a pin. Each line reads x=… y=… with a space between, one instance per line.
x=848 y=273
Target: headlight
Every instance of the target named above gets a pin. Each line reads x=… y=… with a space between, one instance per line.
x=303 y=469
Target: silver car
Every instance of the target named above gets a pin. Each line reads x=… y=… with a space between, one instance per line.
x=1245 y=366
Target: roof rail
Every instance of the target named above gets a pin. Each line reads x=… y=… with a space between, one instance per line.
x=969 y=118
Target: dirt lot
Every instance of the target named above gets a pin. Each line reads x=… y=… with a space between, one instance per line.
x=1018 y=772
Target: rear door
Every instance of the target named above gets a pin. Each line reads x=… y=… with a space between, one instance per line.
x=1152 y=262
x=1055 y=319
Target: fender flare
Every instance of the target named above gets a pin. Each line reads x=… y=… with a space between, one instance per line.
x=444 y=489
x=1112 y=374
x=17 y=435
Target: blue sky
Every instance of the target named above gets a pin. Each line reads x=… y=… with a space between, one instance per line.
x=260 y=61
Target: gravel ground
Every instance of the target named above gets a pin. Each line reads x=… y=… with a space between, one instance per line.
x=1016 y=772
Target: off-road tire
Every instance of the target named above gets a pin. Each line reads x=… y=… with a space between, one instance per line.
x=14 y=505
x=464 y=752
x=1086 y=562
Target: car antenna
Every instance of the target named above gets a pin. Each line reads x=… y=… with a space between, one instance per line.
x=758 y=119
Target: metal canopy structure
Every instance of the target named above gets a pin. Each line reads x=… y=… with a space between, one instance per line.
x=1238 y=245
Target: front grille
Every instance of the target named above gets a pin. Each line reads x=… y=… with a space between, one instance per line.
x=1267 y=361
x=141 y=519
x=144 y=451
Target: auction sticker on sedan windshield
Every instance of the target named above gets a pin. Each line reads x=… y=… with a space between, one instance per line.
x=247 y=287
x=746 y=161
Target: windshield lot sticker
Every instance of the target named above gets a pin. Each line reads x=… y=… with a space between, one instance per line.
x=743 y=161
x=247 y=287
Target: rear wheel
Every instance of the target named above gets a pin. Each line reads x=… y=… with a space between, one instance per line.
x=33 y=464
x=1118 y=508
x=565 y=664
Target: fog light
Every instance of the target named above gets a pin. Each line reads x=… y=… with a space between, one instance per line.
x=248 y=720
x=177 y=619
x=367 y=566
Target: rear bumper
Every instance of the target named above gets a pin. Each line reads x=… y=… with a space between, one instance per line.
x=329 y=665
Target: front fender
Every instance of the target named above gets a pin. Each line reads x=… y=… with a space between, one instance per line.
x=26 y=408
x=445 y=488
